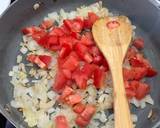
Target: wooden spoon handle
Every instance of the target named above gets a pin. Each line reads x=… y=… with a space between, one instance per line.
x=122 y=114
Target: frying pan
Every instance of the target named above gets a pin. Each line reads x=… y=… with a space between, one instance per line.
x=145 y=14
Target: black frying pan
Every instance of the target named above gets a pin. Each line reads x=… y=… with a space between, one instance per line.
x=143 y=13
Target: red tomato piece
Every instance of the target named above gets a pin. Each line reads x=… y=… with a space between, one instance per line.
x=42 y=61
x=71 y=63
x=30 y=30
x=60 y=81
x=52 y=40
x=151 y=72
x=79 y=108
x=46 y=24
x=130 y=93
x=66 y=92
x=75 y=25
x=142 y=90
x=56 y=32
x=82 y=52
x=67 y=73
x=139 y=61
x=86 y=41
x=80 y=79
x=74 y=99
x=135 y=73
x=99 y=77
x=81 y=122
x=45 y=59
x=92 y=17
x=43 y=41
x=64 y=52
x=131 y=52
x=138 y=43
x=113 y=24
x=88 y=70
x=61 y=122
x=98 y=60
x=88 y=112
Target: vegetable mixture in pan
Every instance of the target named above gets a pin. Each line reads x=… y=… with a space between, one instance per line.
x=62 y=80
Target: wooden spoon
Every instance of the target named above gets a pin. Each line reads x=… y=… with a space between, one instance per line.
x=113 y=36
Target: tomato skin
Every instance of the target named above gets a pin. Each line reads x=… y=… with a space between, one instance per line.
x=82 y=52
x=73 y=99
x=79 y=108
x=45 y=59
x=88 y=112
x=75 y=25
x=142 y=90
x=71 y=63
x=99 y=77
x=135 y=73
x=46 y=24
x=131 y=52
x=60 y=81
x=66 y=92
x=92 y=17
x=81 y=122
x=130 y=93
x=61 y=122
x=56 y=32
x=42 y=61
x=86 y=41
x=151 y=72
x=138 y=43
x=80 y=79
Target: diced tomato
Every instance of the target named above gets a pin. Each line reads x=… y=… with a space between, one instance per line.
x=52 y=40
x=67 y=73
x=59 y=82
x=139 y=61
x=71 y=63
x=88 y=58
x=61 y=122
x=92 y=17
x=88 y=70
x=83 y=53
x=86 y=41
x=113 y=24
x=45 y=59
x=138 y=43
x=66 y=92
x=99 y=77
x=131 y=52
x=76 y=35
x=130 y=93
x=88 y=112
x=142 y=90
x=151 y=72
x=46 y=24
x=75 y=25
x=98 y=60
x=30 y=30
x=43 y=41
x=135 y=73
x=81 y=122
x=73 y=99
x=64 y=52
x=56 y=32
x=79 y=108
x=105 y=64
x=133 y=85
x=80 y=79
x=42 y=61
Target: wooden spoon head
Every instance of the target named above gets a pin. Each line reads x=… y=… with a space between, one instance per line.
x=113 y=36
